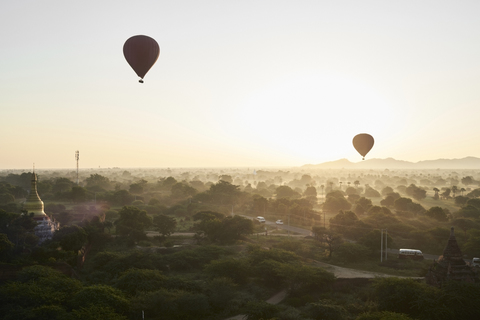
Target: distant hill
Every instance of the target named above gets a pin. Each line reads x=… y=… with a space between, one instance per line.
x=390 y=163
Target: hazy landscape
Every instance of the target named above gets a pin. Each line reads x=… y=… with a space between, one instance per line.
x=184 y=243
x=255 y=160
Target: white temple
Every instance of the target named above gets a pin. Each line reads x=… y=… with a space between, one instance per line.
x=46 y=227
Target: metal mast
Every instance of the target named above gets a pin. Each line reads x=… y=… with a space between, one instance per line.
x=77 y=157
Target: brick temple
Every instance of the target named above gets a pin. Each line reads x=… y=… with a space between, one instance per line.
x=450 y=266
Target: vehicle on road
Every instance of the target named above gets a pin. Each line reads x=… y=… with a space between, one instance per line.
x=279 y=222
x=476 y=262
x=410 y=254
x=260 y=219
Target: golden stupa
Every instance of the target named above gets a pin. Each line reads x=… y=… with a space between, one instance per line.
x=34 y=203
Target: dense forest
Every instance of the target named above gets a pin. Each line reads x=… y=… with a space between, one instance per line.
x=184 y=244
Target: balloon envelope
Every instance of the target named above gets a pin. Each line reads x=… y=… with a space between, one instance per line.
x=141 y=53
x=363 y=142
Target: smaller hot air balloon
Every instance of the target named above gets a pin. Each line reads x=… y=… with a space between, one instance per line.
x=141 y=53
x=363 y=143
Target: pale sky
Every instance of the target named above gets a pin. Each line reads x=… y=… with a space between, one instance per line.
x=237 y=83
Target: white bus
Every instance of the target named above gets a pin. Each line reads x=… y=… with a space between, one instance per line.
x=410 y=254
x=476 y=262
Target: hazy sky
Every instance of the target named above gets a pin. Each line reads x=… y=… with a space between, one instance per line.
x=238 y=83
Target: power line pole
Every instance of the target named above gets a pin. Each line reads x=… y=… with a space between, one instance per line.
x=381 y=244
x=386 y=246
x=288 y=225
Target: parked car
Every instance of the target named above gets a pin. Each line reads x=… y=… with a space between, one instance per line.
x=279 y=222
x=260 y=219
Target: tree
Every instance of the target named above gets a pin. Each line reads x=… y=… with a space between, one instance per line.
x=352 y=252
x=436 y=213
x=99 y=181
x=168 y=182
x=403 y=296
x=63 y=217
x=182 y=190
x=224 y=192
x=6 y=247
x=468 y=180
x=138 y=187
x=386 y=191
x=446 y=193
x=335 y=204
x=474 y=202
x=389 y=201
x=351 y=191
x=94 y=312
x=71 y=238
x=215 y=227
x=286 y=192
x=226 y=178
x=39 y=292
x=472 y=245
x=343 y=220
x=235 y=269
x=62 y=185
x=260 y=310
x=100 y=295
x=325 y=309
x=6 y=198
x=122 y=197
x=353 y=198
x=465 y=224
x=220 y=292
x=19 y=229
x=416 y=192
x=259 y=205
x=468 y=211
x=165 y=225
x=133 y=222
x=333 y=241
x=362 y=205
x=436 y=190
x=461 y=200
x=134 y=281
x=371 y=193
x=454 y=190
x=78 y=194
x=310 y=192
x=401 y=204
x=372 y=241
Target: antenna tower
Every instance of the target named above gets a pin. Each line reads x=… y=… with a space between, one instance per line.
x=77 y=157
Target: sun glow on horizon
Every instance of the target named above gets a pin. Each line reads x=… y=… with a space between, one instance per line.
x=314 y=117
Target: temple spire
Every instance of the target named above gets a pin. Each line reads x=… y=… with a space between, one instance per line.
x=34 y=203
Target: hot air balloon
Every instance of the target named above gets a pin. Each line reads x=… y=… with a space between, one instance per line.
x=141 y=53
x=363 y=142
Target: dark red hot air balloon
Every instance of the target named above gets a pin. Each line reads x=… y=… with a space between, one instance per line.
x=363 y=143
x=141 y=53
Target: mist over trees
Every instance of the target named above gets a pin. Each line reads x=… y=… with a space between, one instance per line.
x=140 y=210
